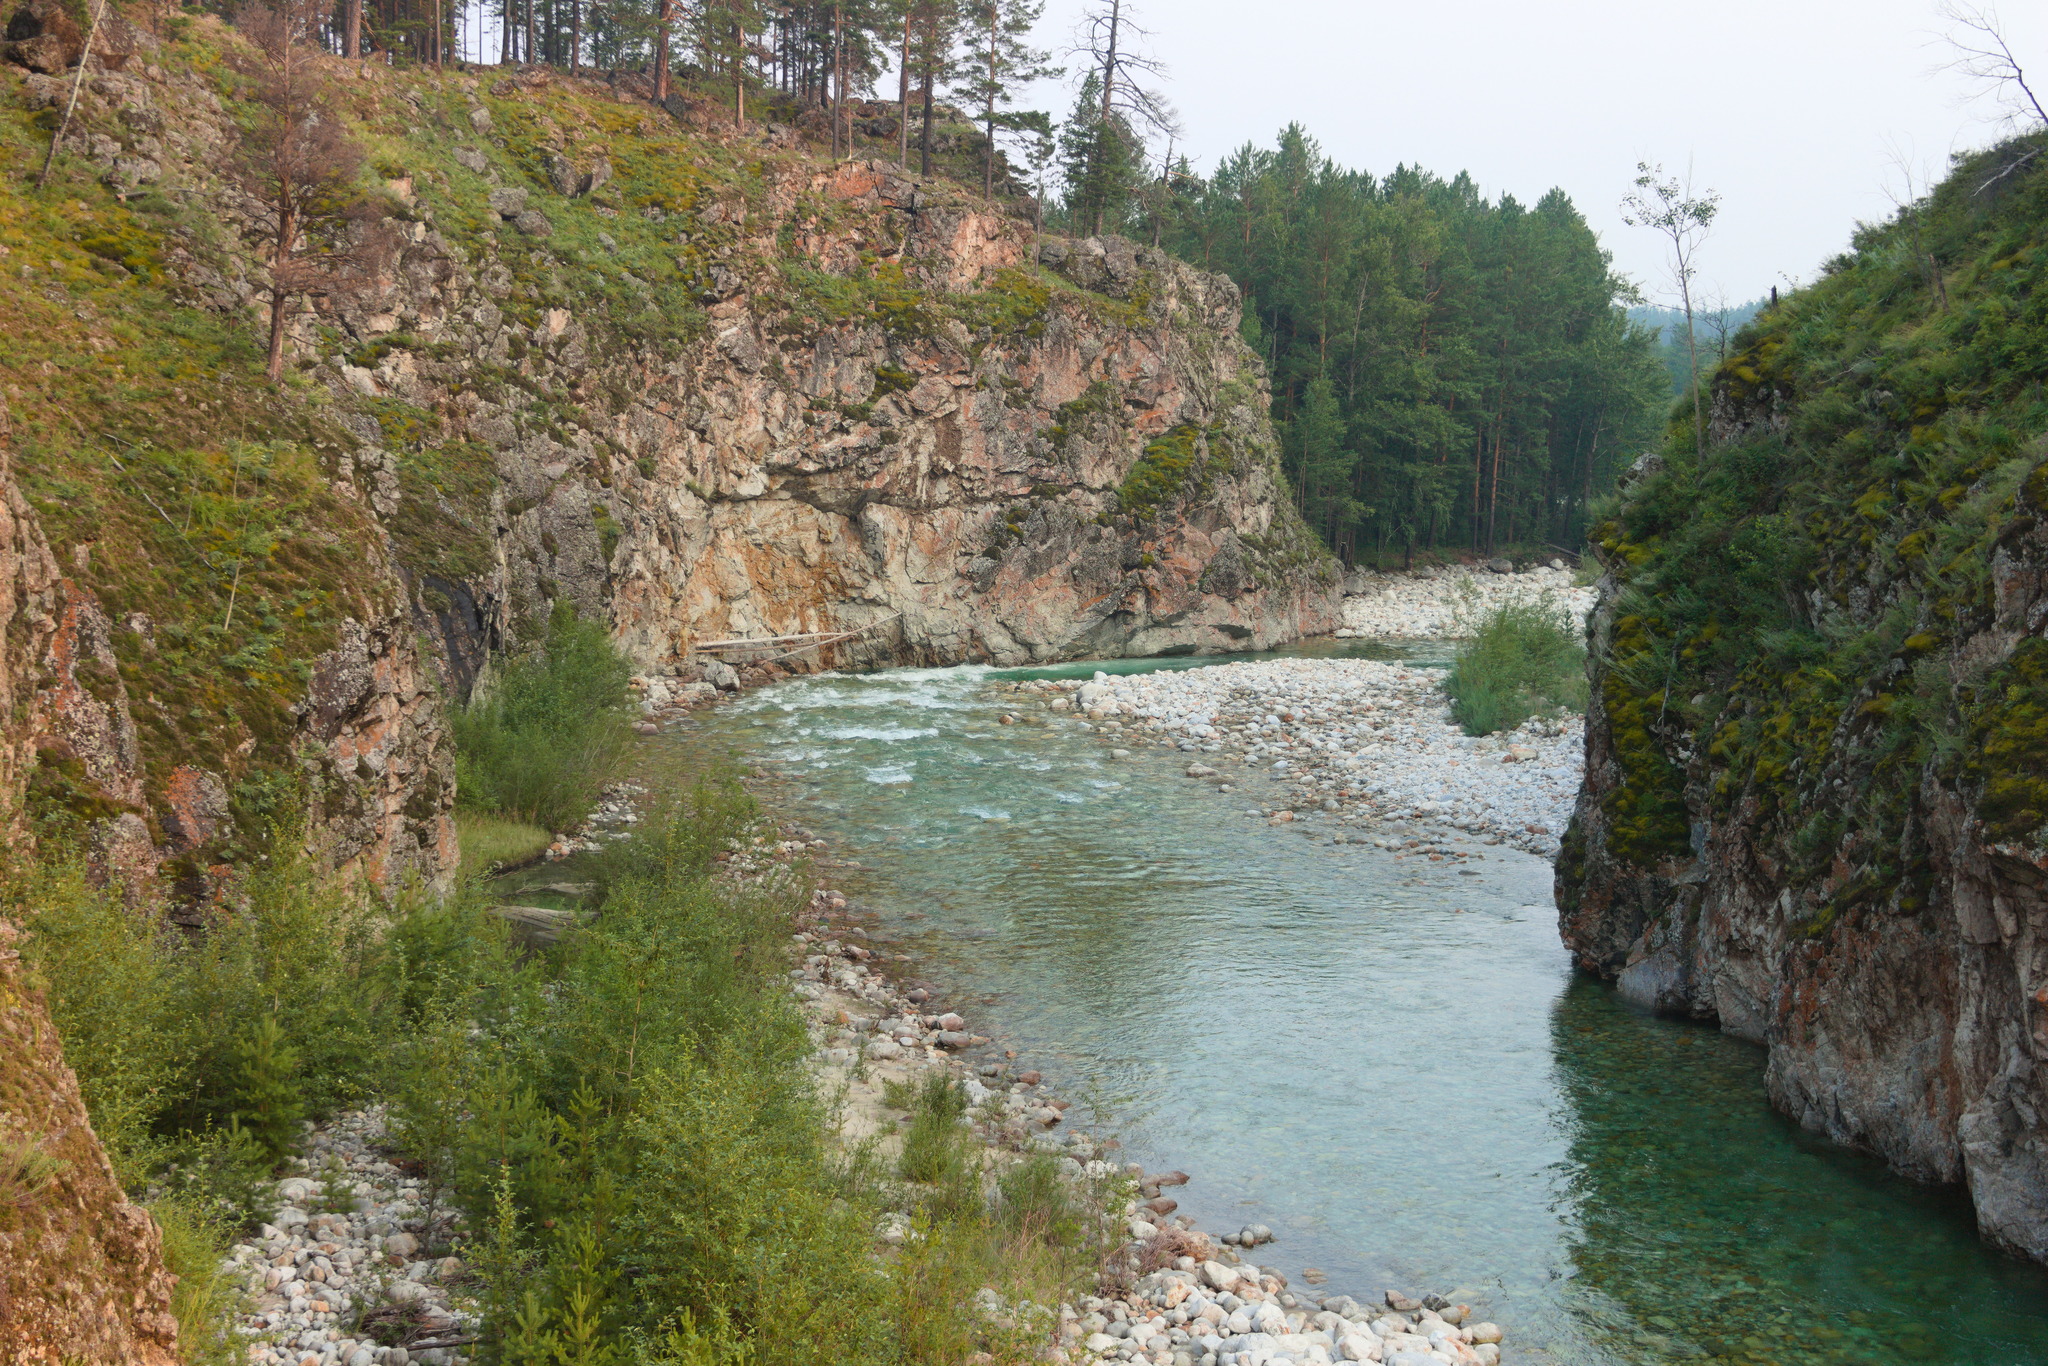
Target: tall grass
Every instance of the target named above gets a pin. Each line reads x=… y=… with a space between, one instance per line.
x=542 y=738
x=1524 y=657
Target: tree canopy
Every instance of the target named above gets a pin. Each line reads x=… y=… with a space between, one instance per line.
x=1447 y=370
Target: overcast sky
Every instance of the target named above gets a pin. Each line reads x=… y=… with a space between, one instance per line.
x=1792 y=109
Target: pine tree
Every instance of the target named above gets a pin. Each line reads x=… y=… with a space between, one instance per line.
x=1486 y=385
x=1112 y=46
x=1101 y=161
x=930 y=38
x=321 y=236
x=998 y=61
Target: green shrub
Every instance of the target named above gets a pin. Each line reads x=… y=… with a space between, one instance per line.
x=934 y=1148
x=206 y=1296
x=1523 y=658
x=116 y=987
x=1034 y=1199
x=194 y=1104
x=271 y=1103
x=542 y=739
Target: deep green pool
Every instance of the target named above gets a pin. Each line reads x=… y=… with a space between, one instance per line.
x=1391 y=1064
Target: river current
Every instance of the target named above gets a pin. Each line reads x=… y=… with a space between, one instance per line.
x=1387 y=1060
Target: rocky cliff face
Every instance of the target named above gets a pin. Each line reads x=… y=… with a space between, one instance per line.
x=696 y=380
x=153 y=805
x=1814 y=805
x=81 y=1271
x=976 y=447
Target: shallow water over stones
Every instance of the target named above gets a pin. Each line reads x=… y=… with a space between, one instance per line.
x=1388 y=1061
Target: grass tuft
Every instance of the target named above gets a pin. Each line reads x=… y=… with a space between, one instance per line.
x=1524 y=658
x=491 y=843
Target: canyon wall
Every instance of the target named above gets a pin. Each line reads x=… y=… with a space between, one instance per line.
x=1817 y=753
x=82 y=1275
x=1000 y=450
x=695 y=380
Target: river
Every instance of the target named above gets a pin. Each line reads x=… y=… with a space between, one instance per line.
x=1388 y=1061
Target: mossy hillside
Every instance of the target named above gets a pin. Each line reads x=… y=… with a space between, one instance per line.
x=136 y=330
x=185 y=494
x=1794 y=600
x=195 y=501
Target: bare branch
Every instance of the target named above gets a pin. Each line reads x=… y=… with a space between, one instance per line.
x=1684 y=218
x=1116 y=48
x=1983 y=54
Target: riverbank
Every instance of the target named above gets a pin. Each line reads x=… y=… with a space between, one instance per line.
x=1347 y=744
x=1169 y=1293
x=1444 y=603
x=363 y=1259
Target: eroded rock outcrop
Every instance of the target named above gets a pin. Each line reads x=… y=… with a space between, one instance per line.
x=29 y=595
x=82 y=1276
x=370 y=740
x=1000 y=451
x=1815 y=808
x=1908 y=1018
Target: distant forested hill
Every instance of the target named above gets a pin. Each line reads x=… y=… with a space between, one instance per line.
x=1448 y=370
x=1714 y=328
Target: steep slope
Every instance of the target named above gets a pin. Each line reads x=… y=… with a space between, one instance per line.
x=1815 y=796
x=696 y=380
x=726 y=389
x=82 y=1274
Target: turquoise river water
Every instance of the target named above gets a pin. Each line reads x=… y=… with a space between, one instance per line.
x=1392 y=1065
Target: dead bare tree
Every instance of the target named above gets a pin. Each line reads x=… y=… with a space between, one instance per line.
x=321 y=234
x=71 y=102
x=1983 y=53
x=1113 y=47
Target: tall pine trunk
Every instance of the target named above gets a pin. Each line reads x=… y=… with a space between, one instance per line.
x=988 y=150
x=739 y=73
x=924 y=138
x=1105 y=132
x=903 y=102
x=668 y=10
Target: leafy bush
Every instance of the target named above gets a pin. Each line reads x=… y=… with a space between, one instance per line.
x=1033 y=1198
x=197 y=1055
x=1524 y=658
x=934 y=1150
x=540 y=741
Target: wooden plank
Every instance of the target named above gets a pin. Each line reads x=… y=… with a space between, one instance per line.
x=811 y=639
x=757 y=640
